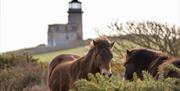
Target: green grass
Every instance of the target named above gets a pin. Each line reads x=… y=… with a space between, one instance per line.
x=47 y=57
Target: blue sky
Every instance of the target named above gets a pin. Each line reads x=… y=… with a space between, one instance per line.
x=23 y=23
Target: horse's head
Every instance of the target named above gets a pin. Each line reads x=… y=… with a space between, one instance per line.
x=103 y=56
x=129 y=65
x=136 y=61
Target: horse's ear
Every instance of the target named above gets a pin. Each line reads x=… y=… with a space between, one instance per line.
x=128 y=52
x=94 y=42
x=112 y=44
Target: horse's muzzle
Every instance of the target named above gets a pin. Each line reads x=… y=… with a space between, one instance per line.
x=105 y=72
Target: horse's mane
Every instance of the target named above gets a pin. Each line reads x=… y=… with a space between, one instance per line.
x=154 y=51
x=102 y=42
x=154 y=57
x=150 y=51
x=88 y=62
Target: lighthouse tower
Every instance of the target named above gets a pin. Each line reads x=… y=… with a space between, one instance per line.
x=64 y=34
x=75 y=16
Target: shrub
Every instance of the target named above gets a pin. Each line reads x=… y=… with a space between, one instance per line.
x=22 y=72
x=7 y=61
x=153 y=35
x=116 y=83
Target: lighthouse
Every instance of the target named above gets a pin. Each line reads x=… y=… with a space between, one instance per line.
x=64 y=34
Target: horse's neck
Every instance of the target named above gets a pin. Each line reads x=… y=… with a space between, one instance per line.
x=87 y=64
x=89 y=58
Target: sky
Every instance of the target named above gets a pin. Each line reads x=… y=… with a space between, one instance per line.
x=24 y=23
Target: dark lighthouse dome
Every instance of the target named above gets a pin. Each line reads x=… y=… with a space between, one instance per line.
x=75 y=1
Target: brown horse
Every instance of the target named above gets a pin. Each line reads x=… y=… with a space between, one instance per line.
x=138 y=60
x=65 y=69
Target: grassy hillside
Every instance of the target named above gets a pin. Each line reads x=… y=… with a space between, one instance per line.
x=45 y=57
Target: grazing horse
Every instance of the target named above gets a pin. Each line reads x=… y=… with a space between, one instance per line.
x=138 y=60
x=65 y=69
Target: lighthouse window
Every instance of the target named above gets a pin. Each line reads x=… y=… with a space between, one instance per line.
x=75 y=5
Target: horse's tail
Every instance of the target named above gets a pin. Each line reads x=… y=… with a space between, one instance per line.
x=59 y=59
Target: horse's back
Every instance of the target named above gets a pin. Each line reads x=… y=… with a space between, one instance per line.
x=59 y=60
x=62 y=58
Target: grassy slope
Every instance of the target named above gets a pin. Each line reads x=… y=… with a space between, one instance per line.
x=46 y=57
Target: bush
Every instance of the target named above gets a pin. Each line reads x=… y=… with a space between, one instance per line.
x=153 y=35
x=20 y=72
x=116 y=83
x=7 y=61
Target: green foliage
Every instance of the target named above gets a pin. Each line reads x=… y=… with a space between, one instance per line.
x=116 y=83
x=96 y=83
x=7 y=61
